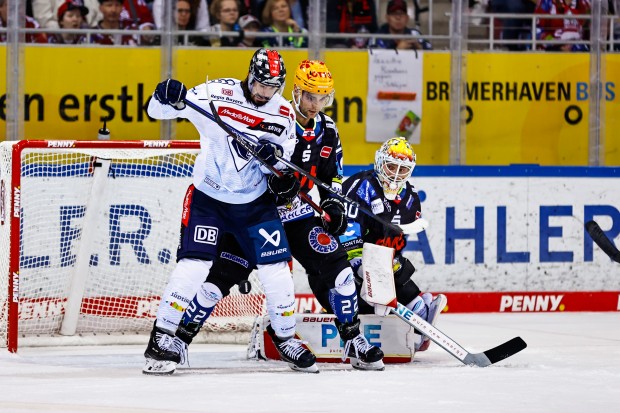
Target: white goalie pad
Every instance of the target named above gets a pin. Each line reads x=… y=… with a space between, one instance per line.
x=378 y=276
x=318 y=331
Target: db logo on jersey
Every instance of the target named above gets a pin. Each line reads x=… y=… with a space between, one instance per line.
x=205 y=235
x=284 y=111
x=227 y=92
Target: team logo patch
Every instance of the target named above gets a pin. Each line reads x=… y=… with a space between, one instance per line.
x=284 y=111
x=325 y=151
x=272 y=128
x=239 y=116
x=227 y=92
x=273 y=238
x=322 y=242
x=204 y=234
x=377 y=206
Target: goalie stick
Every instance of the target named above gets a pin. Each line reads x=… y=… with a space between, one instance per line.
x=245 y=144
x=602 y=240
x=484 y=359
x=245 y=141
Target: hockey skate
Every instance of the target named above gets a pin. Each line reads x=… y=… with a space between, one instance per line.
x=434 y=309
x=362 y=354
x=293 y=352
x=162 y=353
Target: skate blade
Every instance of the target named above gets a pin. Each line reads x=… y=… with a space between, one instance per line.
x=159 y=367
x=360 y=365
x=311 y=369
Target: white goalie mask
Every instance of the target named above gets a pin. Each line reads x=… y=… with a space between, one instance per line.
x=394 y=163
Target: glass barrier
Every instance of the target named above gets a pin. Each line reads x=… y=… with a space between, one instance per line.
x=534 y=98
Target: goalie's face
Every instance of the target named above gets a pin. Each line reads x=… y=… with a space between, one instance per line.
x=394 y=163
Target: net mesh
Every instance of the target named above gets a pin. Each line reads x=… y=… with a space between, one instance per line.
x=102 y=224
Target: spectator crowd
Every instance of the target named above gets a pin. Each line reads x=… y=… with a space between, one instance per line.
x=284 y=23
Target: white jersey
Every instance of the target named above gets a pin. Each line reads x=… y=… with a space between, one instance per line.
x=224 y=170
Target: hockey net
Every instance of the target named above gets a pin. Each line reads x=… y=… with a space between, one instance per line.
x=88 y=240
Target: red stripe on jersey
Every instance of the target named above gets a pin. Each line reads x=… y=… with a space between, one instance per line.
x=187 y=203
x=274 y=62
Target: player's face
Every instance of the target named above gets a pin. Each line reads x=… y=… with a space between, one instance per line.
x=261 y=94
x=396 y=172
x=312 y=103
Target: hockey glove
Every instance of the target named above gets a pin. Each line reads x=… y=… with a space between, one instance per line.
x=285 y=186
x=338 y=219
x=171 y=92
x=268 y=151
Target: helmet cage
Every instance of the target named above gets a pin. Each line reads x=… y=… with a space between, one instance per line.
x=394 y=164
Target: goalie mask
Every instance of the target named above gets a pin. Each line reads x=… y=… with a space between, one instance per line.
x=394 y=163
x=267 y=68
x=314 y=84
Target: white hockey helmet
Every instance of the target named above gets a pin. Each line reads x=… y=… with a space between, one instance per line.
x=394 y=163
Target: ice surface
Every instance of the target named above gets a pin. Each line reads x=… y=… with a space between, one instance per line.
x=572 y=364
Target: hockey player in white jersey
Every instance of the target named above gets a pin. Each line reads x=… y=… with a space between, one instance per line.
x=230 y=197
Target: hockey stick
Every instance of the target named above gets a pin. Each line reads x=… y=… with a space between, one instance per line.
x=602 y=240
x=243 y=141
x=484 y=359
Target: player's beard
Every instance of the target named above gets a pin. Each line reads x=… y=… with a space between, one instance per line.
x=247 y=94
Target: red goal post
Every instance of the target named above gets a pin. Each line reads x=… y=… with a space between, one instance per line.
x=88 y=238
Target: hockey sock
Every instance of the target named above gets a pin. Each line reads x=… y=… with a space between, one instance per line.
x=198 y=311
x=343 y=297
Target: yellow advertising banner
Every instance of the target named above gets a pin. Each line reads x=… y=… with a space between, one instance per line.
x=522 y=108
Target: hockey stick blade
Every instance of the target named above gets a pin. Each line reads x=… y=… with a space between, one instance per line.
x=416 y=226
x=602 y=240
x=484 y=359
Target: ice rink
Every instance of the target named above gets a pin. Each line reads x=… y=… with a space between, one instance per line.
x=572 y=364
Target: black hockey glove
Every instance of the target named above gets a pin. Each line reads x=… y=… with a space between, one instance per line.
x=403 y=270
x=268 y=151
x=171 y=92
x=285 y=186
x=338 y=219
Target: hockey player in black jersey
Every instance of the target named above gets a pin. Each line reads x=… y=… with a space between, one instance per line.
x=313 y=241
x=386 y=191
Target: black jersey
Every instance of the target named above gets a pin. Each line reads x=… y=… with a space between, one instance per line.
x=319 y=152
x=365 y=188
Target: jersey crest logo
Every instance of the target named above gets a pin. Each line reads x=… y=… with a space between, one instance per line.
x=241 y=156
x=308 y=134
x=322 y=242
x=326 y=151
x=239 y=116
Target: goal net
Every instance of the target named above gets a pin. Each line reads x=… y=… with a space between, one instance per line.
x=88 y=234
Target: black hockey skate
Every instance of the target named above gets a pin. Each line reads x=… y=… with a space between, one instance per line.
x=362 y=354
x=161 y=353
x=293 y=352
